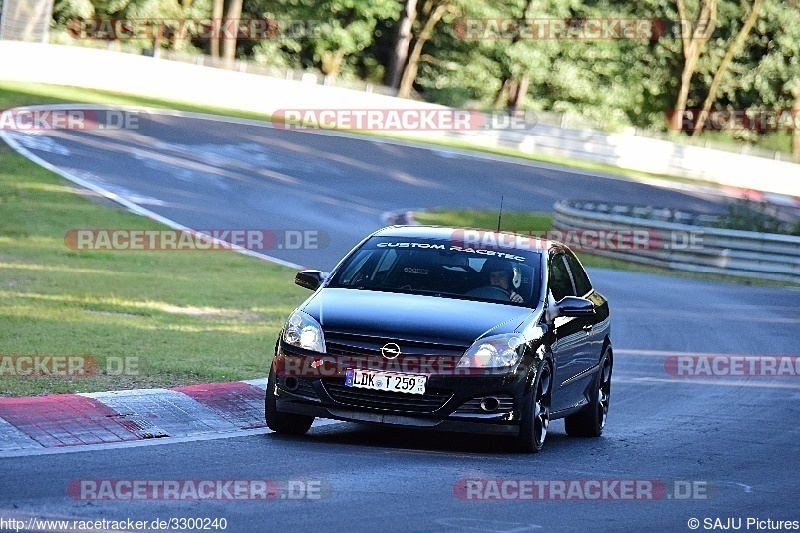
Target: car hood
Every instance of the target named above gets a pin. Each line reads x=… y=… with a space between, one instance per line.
x=411 y=316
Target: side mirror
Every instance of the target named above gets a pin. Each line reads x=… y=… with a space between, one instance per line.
x=574 y=306
x=310 y=279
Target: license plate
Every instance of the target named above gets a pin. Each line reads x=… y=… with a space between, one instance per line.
x=388 y=381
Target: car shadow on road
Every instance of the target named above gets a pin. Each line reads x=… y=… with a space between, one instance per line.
x=369 y=436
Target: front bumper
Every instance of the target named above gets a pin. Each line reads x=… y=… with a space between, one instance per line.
x=417 y=422
x=450 y=403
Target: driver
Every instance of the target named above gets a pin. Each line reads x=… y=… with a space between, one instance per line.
x=500 y=275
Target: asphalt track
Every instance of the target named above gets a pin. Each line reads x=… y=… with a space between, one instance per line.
x=223 y=175
x=736 y=438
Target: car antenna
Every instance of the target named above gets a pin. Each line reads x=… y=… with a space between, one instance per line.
x=500 y=216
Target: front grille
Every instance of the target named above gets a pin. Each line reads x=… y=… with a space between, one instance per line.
x=387 y=400
x=339 y=343
x=473 y=406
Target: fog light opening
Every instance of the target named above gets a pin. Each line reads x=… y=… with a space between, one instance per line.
x=291 y=383
x=490 y=404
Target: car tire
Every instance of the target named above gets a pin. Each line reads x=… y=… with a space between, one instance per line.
x=533 y=429
x=590 y=421
x=284 y=423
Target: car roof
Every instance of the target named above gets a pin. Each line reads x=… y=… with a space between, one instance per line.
x=453 y=233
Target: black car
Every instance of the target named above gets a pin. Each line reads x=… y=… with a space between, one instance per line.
x=450 y=329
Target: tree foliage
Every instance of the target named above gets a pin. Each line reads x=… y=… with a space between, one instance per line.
x=725 y=56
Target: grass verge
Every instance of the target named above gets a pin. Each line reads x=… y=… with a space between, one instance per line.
x=173 y=317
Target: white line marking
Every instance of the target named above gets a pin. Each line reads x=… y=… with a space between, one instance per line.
x=131 y=206
x=745 y=488
x=723 y=382
x=486 y=526
x=667 y=353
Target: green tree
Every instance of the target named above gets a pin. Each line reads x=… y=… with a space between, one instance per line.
x=402 y=43
x=770 y=77
x=722 y=69
x=432 y=12
x=329 y=35
x=697 y=27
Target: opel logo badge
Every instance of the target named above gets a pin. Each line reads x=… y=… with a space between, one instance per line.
x=390 y=350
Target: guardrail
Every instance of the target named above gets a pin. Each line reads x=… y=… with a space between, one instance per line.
x=681 y=246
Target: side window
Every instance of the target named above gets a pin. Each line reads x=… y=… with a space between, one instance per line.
x=582 y=283
x=560 y=281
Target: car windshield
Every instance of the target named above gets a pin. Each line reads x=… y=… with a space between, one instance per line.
x=442 y=268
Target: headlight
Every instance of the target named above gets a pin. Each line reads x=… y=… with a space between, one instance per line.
x=499 y=351
x=303 y=331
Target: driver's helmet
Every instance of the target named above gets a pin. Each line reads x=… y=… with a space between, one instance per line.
x=493 y=264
